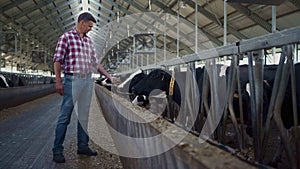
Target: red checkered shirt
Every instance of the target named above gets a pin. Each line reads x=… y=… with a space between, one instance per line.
x=77 y=55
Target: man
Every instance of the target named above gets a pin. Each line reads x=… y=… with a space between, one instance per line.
x=75 y=55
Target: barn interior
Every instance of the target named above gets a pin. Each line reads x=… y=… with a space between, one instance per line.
x=30 y=29
x=131 y=35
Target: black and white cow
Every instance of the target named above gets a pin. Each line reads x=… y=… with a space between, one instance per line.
x=104 y=82
x=286 y=116
x=141 y=100
x=4 y=82
x=156 y=79
x=287 y=105
x=268 y=82
x=128 y=83
x=159 y=79
x=286 y=111
x=268 y=76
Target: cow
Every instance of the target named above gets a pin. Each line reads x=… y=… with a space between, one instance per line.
x=268 y=82
x=161 y=80
x=287 y=116
x=14 y=80
x=286 y=111
x=156 y=79
x=126 y=87
x=141 y=100
x=4 y=82
x=104 y=82
x=287 y=107
x=268 y=77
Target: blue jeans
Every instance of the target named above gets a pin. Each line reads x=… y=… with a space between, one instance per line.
x=77 y=96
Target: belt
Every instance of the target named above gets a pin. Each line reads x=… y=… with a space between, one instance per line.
x=80 y=75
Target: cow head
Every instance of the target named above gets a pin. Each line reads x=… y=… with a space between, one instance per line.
x=157 y=79
x=104 y=82
x=130 y=81
x=136 y=79
x=4 y=82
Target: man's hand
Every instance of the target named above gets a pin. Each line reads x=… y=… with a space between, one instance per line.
x=59 y=84
x=115 y=80
x=59 y=88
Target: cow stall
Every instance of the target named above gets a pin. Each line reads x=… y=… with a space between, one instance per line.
x=145 y=140
x=14 y=96
x=19 y=79
x=222 y=106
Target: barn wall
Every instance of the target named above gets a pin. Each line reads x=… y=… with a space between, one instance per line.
x=190 y=152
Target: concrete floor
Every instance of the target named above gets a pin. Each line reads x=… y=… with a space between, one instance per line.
x=27 y=134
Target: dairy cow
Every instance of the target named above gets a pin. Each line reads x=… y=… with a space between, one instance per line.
x=104 y=82
x=268 y=76
x=4 y=82
x=286 y=112
x=268 y=83
x=162 y=80
x=287 y=105
x=128 y=83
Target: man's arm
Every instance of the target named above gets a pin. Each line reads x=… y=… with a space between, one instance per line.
x=59 y=84
x=101 y=70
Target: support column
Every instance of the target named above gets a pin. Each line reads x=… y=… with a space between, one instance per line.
x=225 y=24
x=0 y=41
x=273 y=30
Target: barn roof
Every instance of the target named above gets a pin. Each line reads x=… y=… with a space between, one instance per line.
x=37 y=24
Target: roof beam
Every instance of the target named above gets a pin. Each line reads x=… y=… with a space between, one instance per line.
x=11 y=5
x=103 y=7
x=51 y=35
x=63 y=26
x=124 y=10
x=46 y=14
x=100 y=15
x=167 y=9
x=139 y=7
x=157 y=19
x=121 y=8
x=296 y=3
x=36 y=17
x=253 y=16
x=33 y=8
x=219 y=22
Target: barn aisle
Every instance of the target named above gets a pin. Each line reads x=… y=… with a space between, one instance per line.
x=27 y=133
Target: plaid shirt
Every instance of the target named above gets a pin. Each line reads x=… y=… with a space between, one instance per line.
x=77 y=55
